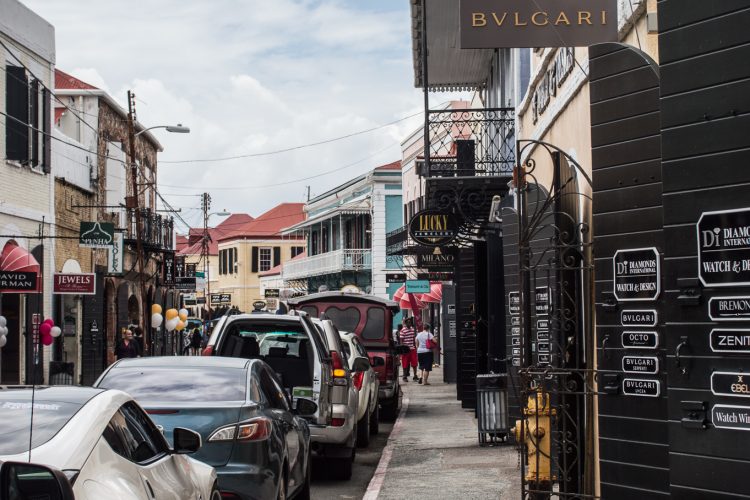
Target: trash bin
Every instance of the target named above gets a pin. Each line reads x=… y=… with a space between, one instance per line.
x=492 y=408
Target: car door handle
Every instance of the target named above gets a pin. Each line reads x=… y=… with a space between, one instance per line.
x=150 y=489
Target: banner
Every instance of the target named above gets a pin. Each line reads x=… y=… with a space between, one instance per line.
x=116 y=255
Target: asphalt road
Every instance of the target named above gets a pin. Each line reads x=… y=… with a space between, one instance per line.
x=365 y=463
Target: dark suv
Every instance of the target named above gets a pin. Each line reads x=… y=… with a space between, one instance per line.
x=371 y=318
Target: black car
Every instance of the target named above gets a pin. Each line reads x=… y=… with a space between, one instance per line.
x=258 y=445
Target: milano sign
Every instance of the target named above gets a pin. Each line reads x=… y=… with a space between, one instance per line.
x=539 y=23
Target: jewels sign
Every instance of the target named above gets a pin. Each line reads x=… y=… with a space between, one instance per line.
x=490 y=24
x=433 y=228
x=74 y=284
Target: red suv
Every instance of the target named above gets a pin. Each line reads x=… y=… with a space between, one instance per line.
x=371 y=319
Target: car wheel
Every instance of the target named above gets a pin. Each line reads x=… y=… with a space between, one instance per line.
x=363 y=431
x=375 y=420
x=342 y=467
x=215 y=493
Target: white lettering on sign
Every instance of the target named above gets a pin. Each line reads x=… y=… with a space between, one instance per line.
x=731 y=417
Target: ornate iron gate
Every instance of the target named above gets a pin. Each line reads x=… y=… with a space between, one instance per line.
x=553 y=306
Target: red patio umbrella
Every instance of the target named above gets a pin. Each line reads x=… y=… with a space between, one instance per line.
x=402 y=297
x=435 y=295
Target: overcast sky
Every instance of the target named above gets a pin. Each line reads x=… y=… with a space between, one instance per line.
x=249 y=76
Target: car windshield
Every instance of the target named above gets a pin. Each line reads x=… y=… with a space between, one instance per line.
x=15 y=414
x=174 y=384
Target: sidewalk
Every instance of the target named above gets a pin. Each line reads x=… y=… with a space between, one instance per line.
x=433 y=452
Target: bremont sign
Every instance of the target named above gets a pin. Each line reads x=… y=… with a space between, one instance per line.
x=433 y=228
x=489 y=24
x=729 y=308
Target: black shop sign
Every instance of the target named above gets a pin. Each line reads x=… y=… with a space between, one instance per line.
x=433 y=228
x=15 y=281
x=514 y=302
x=640 y=340
x=436 y=262
x=731 y=340
x=641 y=387
x=731 y=417
x=730 y=384
x=395 y=277
x=638 y=317
x=541 y=300
x=637 y=274
x=724 y=248
x=729 y=308
x=640 y=364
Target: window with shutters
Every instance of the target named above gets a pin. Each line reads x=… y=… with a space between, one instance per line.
x=28 y=121
x=264 y=262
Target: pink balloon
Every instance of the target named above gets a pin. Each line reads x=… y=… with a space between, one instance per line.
x=44 y=329
x=50 y=321
x=47 y=339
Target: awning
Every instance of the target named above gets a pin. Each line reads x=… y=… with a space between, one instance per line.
x=450 y=68
x=15 y=259
x=359 y=205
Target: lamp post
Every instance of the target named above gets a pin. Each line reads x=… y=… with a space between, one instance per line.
x=205 y=247
x=135 y=206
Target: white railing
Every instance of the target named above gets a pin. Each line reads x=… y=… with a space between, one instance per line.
x=328 y=263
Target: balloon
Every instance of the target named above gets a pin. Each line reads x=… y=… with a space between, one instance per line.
x=49 y=321
x=155 y=309
x=180 y=326
x=3 y=331
x=170 y=324
x=3 y=341
x=183 y=313
x=171 y=313
x=3 y=321
x=55 y=331
x=156 y=320
x=44 y=329
x=47 y=339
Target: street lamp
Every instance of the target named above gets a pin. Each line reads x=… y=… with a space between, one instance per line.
x=176 y=129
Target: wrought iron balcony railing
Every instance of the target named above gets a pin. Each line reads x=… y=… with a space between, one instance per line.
x=328 y=263
x=471 y=142
x=156 y=231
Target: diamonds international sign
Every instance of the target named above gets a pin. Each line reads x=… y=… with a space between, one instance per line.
x=540 y=23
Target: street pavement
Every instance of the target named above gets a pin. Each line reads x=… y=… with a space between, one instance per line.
x=432 y=452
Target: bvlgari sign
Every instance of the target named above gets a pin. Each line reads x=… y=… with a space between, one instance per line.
x=489 y=24
x=724 y=248
x=433 y=228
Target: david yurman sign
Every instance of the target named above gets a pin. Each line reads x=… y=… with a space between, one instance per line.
x=14 y=281
x=637 y=274
x=489 y=24
x=724 y=248
x=433 y=228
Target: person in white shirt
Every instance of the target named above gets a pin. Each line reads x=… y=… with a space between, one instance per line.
x=425 y=342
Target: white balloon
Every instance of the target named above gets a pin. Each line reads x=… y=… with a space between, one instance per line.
x=55 y=331
x=3 y=331
x=156 y=320
x=3 y=321
x=171 y=324
x=184 y=312
x=3 y=341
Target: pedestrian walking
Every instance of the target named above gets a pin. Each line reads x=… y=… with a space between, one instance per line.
x=406 y=336
x=127 y=347
x=425 y=344
x=397 y=333
x=196 y=340
x=138 y=338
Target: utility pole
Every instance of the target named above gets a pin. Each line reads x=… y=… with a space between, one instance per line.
x=205 y=250
x=134 y=204
x=308 y=193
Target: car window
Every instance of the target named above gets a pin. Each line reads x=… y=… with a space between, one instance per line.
x=131 y=434
x=248 y=339
x=15 y=415
x=347 y=349
x=179 y=384
x=311 y=310
x=374 y=328
x=345 y=319
x=275 y=395
x=361 y=351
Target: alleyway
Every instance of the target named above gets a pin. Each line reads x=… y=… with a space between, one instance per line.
x=433 y=452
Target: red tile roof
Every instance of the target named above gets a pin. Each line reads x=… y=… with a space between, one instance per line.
x=269 y=224
x=194 y=239
x=182 y=242
x=65 y=81
x=396 y=165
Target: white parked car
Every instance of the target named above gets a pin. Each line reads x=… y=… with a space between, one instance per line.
x=104 y=443
x=367 y=385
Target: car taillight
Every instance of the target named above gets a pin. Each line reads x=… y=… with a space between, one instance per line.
x=357 y=379
x=338 y=422
x=256 y=429
x=337 y=371
x=208 y=351
x=336 y=361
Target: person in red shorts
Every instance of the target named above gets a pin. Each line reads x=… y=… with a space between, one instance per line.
x=406 y=336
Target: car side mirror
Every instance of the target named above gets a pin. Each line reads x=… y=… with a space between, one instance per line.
x=402 y=349
x=25 y=480
x=186 y=441
x=377 y=361
x=361 y=364
x=306 y=407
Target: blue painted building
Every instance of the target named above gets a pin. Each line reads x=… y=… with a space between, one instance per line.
x=345 y=231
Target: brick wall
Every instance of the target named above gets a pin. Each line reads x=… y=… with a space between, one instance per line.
x=67 y=220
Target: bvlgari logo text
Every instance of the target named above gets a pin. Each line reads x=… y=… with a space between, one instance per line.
x=538 y=18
